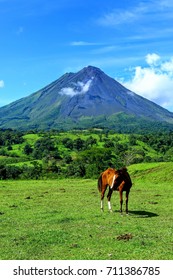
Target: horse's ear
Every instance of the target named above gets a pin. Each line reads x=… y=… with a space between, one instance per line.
x=124 y=169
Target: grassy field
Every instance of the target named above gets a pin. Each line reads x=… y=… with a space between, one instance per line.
x=61 y=219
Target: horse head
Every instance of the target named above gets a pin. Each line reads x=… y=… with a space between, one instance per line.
x=121 y=175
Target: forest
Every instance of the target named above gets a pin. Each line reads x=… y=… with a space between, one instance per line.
x=77 y=153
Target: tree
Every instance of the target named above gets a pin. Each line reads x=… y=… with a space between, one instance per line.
x=3 y=173
x=90 y=141
x=78 y=144
x=109 y=144
x=67 y=159
x=92 y=171
x=45 y=147
x=35 y=171
x=101 y=157
x=13 y=172
x=68 y=143
x=76 y=168
x=28 y=149
x=132 y=140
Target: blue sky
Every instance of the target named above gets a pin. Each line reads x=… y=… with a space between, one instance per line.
x=130 y=41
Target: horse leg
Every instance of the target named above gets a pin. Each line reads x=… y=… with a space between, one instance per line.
x=102 y=198
x=121 y=201
x=102 y=203
x=109 y=199
x=127 y=199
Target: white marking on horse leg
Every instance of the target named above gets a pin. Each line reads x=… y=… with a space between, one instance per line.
x=101 y=204
x=109 y=206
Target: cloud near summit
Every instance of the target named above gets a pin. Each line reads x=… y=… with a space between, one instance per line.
x=77 y=88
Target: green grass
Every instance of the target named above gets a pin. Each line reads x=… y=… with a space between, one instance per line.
x=61 y=219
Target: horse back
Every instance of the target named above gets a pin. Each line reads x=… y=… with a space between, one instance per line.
x=107 y=176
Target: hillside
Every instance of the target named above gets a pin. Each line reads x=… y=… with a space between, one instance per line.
x=88 y=98
x=156 y=172
x=78 y=153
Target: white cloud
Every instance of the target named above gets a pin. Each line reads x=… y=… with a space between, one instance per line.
x=142 y=17
x=1 y=83
x=68 y=91
x=83 y=43
x=154 y=82
x=117 y=17
x=123 y=16
x=79 y=88
x=168 y=67
x=152 y=59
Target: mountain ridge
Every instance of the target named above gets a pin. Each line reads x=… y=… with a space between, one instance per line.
x=87 y=94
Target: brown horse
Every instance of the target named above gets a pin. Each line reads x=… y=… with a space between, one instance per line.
x=117 y=180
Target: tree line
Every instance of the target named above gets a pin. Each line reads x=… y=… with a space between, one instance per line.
x=54 y=157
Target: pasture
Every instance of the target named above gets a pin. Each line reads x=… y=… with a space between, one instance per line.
x=61 y=219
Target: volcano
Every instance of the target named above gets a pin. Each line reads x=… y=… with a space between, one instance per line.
x=88 y=98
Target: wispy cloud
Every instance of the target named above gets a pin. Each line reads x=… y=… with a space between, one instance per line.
x=165 y=3
x=104 y=50
x=121 y=16
x=115 y=18
x=155 y=81
x=84 y=43
x=2 y=84
x=149 y=10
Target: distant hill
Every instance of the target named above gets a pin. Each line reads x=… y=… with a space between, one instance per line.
x=88 y=98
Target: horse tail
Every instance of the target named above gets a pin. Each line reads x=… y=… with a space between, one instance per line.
x=100 y=183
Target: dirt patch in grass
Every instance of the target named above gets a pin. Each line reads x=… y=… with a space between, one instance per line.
x=125 y=237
